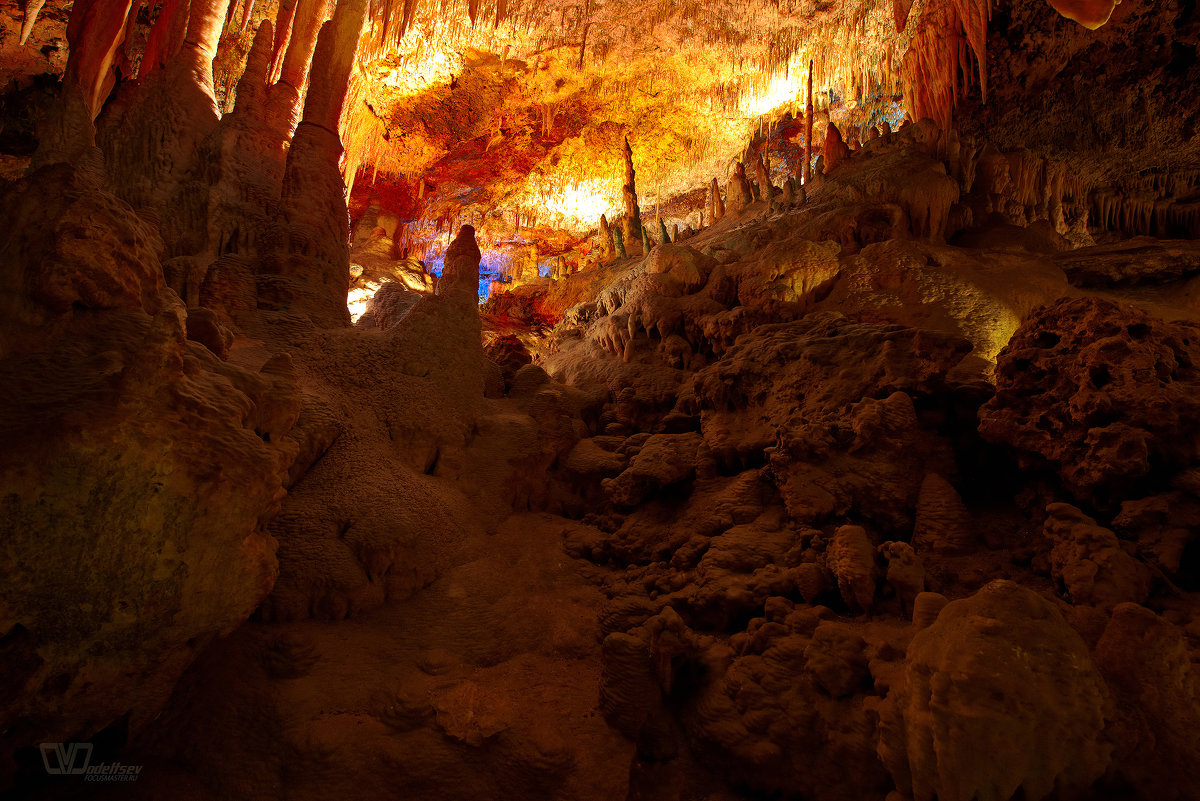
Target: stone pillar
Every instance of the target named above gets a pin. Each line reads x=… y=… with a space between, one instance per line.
x=633 y=216
x=808 y=126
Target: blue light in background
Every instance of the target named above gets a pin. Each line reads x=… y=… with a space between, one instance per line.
x=435 y=262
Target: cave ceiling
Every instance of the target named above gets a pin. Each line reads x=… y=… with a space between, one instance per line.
x=512 y=116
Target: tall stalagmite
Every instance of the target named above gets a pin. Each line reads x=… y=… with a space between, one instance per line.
x=716 y=206
x=313 y=201
x=632 y=223
x=808 y=127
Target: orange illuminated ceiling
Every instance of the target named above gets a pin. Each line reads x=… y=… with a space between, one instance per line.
x=484 y=108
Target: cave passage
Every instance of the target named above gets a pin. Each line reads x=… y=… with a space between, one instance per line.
x=587 y=400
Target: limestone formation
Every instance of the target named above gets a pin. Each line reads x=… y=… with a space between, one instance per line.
x=738 y=194
x=663 y=460
x=1153 y=678
x=174 y=549
x=716 y=206
x=835 y=150
x=836 y=657
x=1046 y=718
x=766 y=191
x=1099 y=393
x=652 y=528
x=607 y=247
x=943 y=525
x=806 y=174
x=852 y=560
x=926 y=608
x=618 y=240
x=631 y=223
x=1088 y=562
x=905 y=573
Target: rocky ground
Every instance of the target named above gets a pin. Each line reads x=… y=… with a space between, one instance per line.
x=805 y=506
x=884 y=489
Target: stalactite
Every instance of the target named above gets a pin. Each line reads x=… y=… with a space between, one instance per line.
x=974 y=16
x=1091 y=14
x=247 y=16
x=126 y=55
x=166 y=37
x=94 y=32
x=309 y=16
x=29 y=15
x=327 y=94
x=205 y=21
x=900 y=10
x=284 y=19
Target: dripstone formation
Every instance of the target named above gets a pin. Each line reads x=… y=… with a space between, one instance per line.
x=350 y=445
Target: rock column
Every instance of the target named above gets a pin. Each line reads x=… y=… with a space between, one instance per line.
x=716 y=206
x=808 y=126
x=313 y=201
x=460 y=275
x=632 y=223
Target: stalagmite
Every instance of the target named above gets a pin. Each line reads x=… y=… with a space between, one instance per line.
x=460 y=276
x=607 y=250
x=664 y=237
x=835 y=150
x=313 y=199
x=618 y=243
x=632 y=224
x=716 y=206
x=739 y=193
x=532 y=265
x=808 y=128
x=252 y=87
x=765 y=190
x=675 y=233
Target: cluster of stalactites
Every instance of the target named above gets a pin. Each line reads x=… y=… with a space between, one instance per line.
x=391 y=20
x=98 y=30
x=949 y=46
